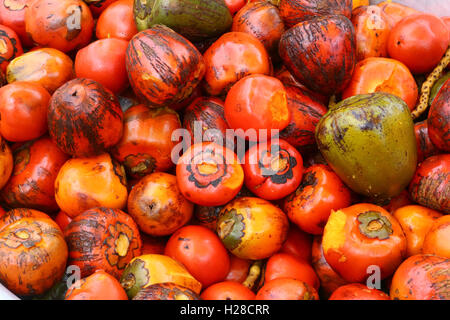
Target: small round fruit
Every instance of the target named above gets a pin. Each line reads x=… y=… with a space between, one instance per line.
x=287 y=289
x=252 y=228
x=157 y=205
x=227 y=290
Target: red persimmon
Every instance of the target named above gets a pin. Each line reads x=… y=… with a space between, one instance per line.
x=117 y=21
x=10 y=46
x=358 y=291
x=227 y=290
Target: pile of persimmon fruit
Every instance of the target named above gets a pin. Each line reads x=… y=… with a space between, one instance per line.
x=96 y=98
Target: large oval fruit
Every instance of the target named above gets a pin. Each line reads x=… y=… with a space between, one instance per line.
x=320 y=53
x=163 y=67
x=369 y=141
x=194 y=19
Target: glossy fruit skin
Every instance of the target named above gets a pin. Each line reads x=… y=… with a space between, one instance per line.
x=358 y=291
x=360 y=236
x=101 y=59
x=84 y=118
x=263 y=21
x=295 y=11
x=395 y=12
x=298 y=244
x=227 y=290
x=419 y=41
x=306 y=111
x=437 y=239
x=257 y=102
x=102 y=238
x=157 y=205
x=239 y=269
x=6 y=162
x=416 y=221
x=372 y=32
x=26 y=236
x=98 y=6
x=117 y=21
x=166 y=291
x=146 y=143
x=421 y=277
x=323 y=62
x=61 y=24
x=180 y=66
x=12 y=47
x=62 y=219
x=439 y=118
x=98 y=286
x=23 y=111
x=86 y=183
x=320 y=192
x=273 y=170
x=205 y=118
x=252 y=228
x=193 y=19
x=201 y=252
x=425 y=147
x=232 y=57
x=32 y=184
x=234 y=5
x=48 y=67
x=282 y=265
x=149 y=269
x=372 y=130
x=329 y=279
x=209 y=174
x=383 y=75
x=437 y=86
x=286 y=289
x=12 y=15
x=429 y=186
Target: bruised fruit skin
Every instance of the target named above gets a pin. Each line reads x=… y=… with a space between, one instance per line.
x=166 y=291
x=358 y=291
x=149 y=269
x=102 y=239
x=369 y=141
x=320 y=192
x=416 y=221
x=163 y=67
x=372 y=32
x=422 y=277
x=262 y=20
x=320 y=53
x=252 y=228
x=157 y=205
x=430 y=184
x=361 y=236
x=48 y=67
x=85 y=183
x=383 y=75
x=439 y=119
x=28 y=186
x=61 y=24
x=33 y=250
x=232 y=57
x=295 y=11
x=146 y=144
x=84 y=118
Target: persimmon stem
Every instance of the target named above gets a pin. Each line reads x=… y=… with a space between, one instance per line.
x=253 y=274
x=428 y=84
